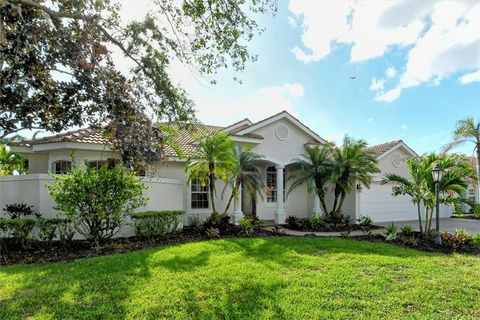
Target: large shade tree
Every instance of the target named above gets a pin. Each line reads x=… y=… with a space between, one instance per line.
x=57 y=66
x=214 y=159
x=468 y=131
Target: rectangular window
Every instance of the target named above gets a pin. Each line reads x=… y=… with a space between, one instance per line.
x=97 y=164
x=471 y=194
x=272 y=184
x=199 y=195
x=62 y=167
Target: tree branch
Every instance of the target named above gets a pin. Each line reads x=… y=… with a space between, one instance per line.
x=53 y=13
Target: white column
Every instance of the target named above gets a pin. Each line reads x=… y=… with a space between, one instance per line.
x=237 y=207
x=280 y=211
x=316 y=205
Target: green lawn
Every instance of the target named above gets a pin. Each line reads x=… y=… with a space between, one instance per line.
x=273 y=278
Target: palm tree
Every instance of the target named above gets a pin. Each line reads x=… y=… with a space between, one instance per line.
x=10 y=162
x=415 y=186
x=16 y=137
x=245 y=175
x=352 y=162
x=468 y=130
x=314 y=168
x=214 y=159
x=421 y=187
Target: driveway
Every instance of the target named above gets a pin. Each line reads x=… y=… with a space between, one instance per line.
x=450 y=224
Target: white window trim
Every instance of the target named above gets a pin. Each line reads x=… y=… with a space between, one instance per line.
x=274 y=204
x=197 y=210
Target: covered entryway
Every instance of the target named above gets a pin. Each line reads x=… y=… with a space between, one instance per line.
x=378 y=203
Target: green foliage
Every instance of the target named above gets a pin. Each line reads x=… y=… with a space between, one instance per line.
x=476 y=240
x=10 y=163
x=406 y=231
x=47 y=229
x=458 y=240
x=97 y=201
x=195 y=224
x=315 y=222
x=20 y=210
x=314 y=168
x=244 y=175
x=218 y=221
x=18 y=229
x=65 y=231
x=214 y=159
x=156 y=224
x=57 y=68
x=365 y=221
x=391 y=232
x=212 y=233
x=294 y=222
x=250 y=226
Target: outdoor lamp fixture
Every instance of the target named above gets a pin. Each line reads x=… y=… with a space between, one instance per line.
x=437 y=174
x=359 y=187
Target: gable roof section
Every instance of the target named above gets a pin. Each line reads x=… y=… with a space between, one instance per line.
x=237 y=126
x=381 y=150
x=278 y=116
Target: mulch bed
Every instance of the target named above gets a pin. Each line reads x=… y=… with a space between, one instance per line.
x=465 y=216
x=332 y=228
x=37 y=252
x=418 y=243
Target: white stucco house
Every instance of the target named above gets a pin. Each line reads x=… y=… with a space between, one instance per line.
x=279 y=139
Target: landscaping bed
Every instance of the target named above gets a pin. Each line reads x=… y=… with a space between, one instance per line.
x=38 y=252
x=323 y=224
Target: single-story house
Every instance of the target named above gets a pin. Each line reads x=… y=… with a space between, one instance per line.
x=279 y=139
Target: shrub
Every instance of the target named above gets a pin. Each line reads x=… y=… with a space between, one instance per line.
x=18 y=229
x=406 y=231
x=20 y=210
x=218 y=221
x=365 y=221
x=213 y=233
x=250 y=226
x=315 y=223
x=195 y=223
x=458 y=240
x=97 y=201
x=391 y=232
x=476 y=240
x=66 y=231
x=48 y=229
x=156 y=224
x=293 y=222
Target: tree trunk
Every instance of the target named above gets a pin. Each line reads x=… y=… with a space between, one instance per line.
x=229 y=203
x=342 y=200
x=337 y=195
x=211 y=183
x=419 y=218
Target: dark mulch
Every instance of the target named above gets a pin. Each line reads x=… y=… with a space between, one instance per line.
x=37 y=252
x=465 y=216
x=330 y=228
x=416 y=241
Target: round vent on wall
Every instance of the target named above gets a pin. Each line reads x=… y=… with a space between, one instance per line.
x=282 y=132
x=397 y=159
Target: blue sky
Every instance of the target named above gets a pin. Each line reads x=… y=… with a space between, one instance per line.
x=320 y=92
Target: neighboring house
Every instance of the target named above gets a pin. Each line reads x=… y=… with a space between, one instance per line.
x=279 y=139
x=472 y=192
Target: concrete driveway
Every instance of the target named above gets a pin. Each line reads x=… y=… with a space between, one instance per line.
x=450 y=224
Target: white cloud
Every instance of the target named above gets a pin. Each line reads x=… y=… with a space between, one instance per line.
x=292 y=22
x=262 y=104
x=404 y=127
x=389 y=96
x=377 y=84
x=391 y=72
x=470 y=77
x=442 y=36
x=370 y=120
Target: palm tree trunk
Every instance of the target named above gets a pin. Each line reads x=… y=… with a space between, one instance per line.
x=337 y=195
x=419 y=218
x=342 y=200
x=211 y=183
x=229 y=203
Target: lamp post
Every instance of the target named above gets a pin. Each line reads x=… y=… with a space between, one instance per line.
x=437 y=174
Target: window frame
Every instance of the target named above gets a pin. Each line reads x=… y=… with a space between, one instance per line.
x=274 y=197
x=68 y=164
x=201 y=190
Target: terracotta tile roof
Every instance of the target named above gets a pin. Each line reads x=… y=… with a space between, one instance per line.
x=87 y=135
x=380 y=149
x=186 y=139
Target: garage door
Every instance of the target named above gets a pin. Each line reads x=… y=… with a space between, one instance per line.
x=378 y=203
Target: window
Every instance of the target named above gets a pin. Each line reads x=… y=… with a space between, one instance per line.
x=199 y=195
x=97 y=164
x=471 y=194
x=62 y=167
x=272 y=184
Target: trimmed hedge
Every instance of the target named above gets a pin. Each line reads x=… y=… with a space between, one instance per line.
x=156 y=224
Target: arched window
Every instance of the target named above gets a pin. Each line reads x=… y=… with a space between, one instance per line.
x=61 y=167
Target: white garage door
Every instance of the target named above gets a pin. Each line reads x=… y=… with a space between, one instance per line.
x=378 y=203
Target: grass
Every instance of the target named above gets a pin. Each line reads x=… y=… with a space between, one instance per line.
x=265 y=278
